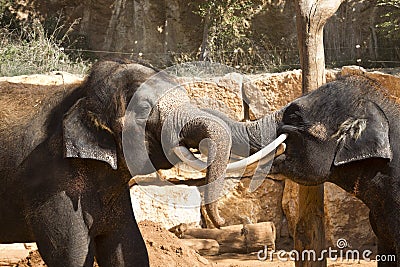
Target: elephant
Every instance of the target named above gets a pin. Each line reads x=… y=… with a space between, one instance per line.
x=345 y=132
x=67 y=154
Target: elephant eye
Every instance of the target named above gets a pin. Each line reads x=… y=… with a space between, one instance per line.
x=293 y=116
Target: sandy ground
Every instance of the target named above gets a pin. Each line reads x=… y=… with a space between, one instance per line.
x=236 y=260
x=165 y=250
x=18 y=256
x=12 y=253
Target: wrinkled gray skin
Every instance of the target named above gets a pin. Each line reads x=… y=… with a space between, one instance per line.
x=347 y=132
x=64 y=177
x=249 y=137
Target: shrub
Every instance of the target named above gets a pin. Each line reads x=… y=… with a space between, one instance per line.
x=26 y=48
x=228 y=37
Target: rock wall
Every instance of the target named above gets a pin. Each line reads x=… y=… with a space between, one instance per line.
x=159 y=28
x=151 y=28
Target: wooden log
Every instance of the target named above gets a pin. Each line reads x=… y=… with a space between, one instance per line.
x=207 y=247
x=260 y=235
x=238 y=238
x=229 y=238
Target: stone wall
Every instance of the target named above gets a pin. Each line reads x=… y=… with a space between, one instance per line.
x=155 y=28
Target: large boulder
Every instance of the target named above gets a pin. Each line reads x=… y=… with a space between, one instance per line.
x=165 y=203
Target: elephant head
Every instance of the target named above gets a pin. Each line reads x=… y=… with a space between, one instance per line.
x=344 y=132
x=137 y=119
x=342 y=122
x=337 y=124
x=93 y=126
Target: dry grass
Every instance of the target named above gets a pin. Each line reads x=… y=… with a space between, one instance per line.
x=33 y=51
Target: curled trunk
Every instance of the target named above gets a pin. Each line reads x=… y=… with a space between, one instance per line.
x=214 y=134
x=194 y=128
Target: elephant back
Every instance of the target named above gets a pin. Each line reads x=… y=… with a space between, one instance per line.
x=24 y=119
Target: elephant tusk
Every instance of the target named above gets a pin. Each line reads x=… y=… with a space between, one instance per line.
x=277 y=143
x=280 y=150
x=188 y=158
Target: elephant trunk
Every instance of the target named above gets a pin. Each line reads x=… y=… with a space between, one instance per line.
x=218 y=157
x=197 y=129
x=250 y=137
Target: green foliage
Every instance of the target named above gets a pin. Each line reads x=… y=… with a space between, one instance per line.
x=8 y=20
x=390 y=27
x=3 y=6
x=31 y=50
x=228 y=36
x=229 y=22
x=27 y=47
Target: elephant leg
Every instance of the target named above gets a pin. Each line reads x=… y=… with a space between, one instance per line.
x=61 y=233
x=122 y=244
x=384 y=255
x=385 y=250
x=122 y=248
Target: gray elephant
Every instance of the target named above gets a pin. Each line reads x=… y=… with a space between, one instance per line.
x=67 y=156
x=345 y=132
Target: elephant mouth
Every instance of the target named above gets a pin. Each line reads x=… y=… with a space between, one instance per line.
x=265 y=154
x=289 y=129
x=277 y=166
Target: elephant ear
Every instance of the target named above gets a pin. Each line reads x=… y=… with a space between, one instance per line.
x=82 y=141
x=365 y=137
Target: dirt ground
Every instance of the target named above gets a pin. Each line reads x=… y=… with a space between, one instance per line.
x=236 y=260
x=165 y=250
x=229 y=260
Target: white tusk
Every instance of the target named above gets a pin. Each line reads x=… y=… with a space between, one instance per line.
x=188 y=158
x=280 y=150
x=241 y=164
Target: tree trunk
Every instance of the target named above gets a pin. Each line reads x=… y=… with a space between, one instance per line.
x=311 y=16
x=204 y=44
